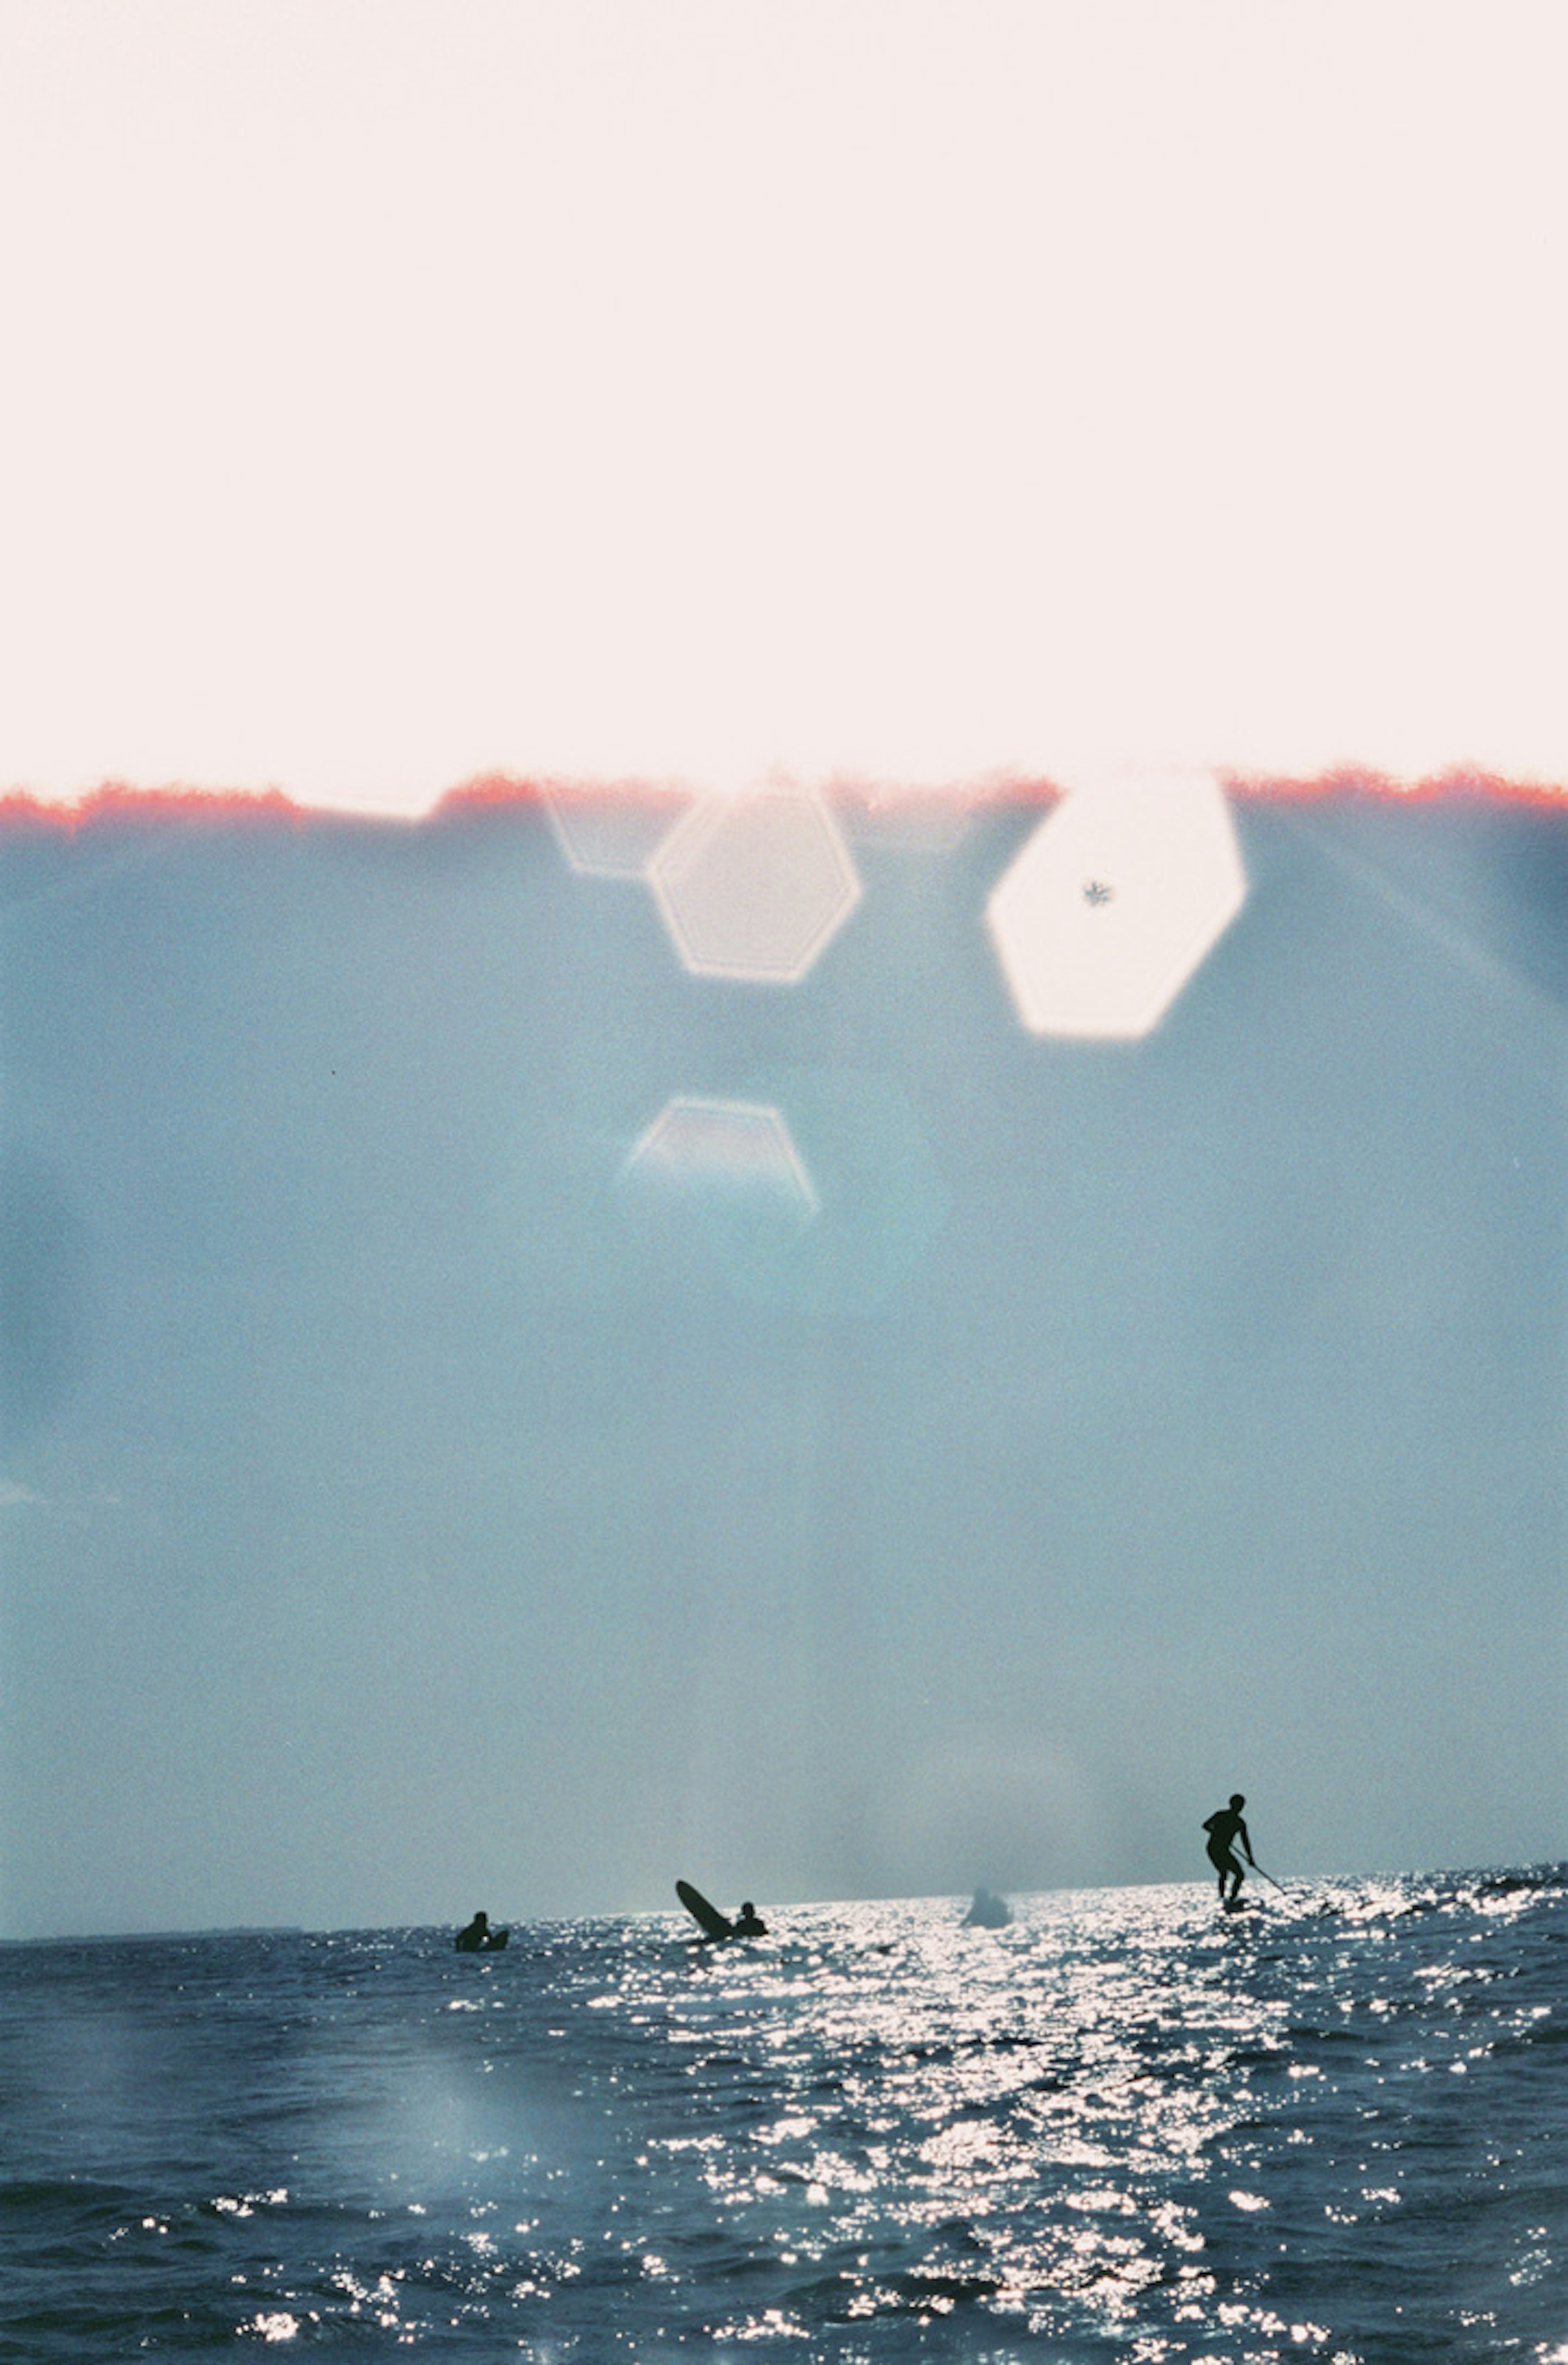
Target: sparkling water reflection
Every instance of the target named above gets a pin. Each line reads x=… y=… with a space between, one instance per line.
x=1120 y=2126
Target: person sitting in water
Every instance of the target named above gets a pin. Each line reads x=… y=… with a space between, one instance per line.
x=476 y=1937
x=748 y=1923
x=1225 y=1828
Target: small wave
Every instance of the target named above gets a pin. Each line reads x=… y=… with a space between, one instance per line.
x=50 y=2192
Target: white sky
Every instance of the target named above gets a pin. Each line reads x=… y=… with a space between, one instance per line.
x=395 y=392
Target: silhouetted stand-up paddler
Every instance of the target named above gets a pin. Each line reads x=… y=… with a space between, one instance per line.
x=1225 y=1828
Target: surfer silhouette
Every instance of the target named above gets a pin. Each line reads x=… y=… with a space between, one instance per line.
x=748 y=1923
x=479 y=1938
x=1225 y=1828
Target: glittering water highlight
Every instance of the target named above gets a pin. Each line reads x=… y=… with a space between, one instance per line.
x=1124 y=2126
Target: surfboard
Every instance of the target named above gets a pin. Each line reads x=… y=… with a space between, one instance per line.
x=712 y=1923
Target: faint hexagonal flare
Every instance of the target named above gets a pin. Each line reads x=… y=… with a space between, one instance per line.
x=1116 y=898
x=883 y=1198
x=700 y=1147
x=911 y=821
x=756 y=885
x=613 y=832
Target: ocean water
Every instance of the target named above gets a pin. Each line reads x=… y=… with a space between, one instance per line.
x=1123 y=2127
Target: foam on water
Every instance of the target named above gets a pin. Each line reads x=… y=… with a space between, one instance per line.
x=1124 y=2126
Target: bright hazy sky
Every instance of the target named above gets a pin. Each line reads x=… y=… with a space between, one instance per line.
x=497 y=1407
x=403 y=390
x=490 y=1416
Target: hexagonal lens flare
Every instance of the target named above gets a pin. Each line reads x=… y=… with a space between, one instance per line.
x=754 y=885
x=696 y=1146
x=613 y=832
x=1116 y=898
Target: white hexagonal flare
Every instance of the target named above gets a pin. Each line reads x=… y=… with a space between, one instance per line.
x=1116 y=898
x=754 y=885
x=696 y=1145
x=613 y=832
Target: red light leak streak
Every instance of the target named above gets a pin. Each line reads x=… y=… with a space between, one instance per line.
x=1462 y=785
x=116 y=805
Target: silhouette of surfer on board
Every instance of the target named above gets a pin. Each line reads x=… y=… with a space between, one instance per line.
x=1225 y=1828
x=479 y=1938
x=748 y=1923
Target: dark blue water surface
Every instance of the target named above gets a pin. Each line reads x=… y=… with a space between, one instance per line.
x=1124 y=2126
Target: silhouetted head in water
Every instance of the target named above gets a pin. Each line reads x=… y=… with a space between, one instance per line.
x=749 y=1922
